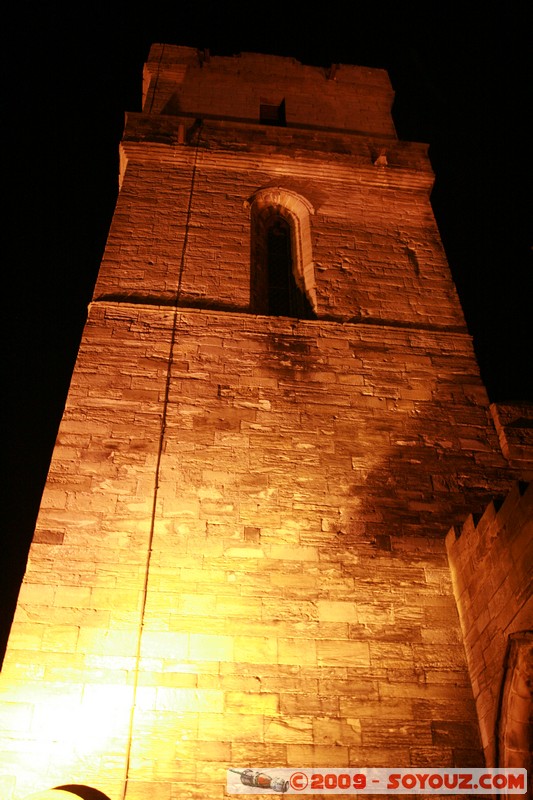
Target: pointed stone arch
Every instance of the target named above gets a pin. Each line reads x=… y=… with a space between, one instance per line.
x=50 y=794
x=515 y=724
x=279 y=202
x=70 y=792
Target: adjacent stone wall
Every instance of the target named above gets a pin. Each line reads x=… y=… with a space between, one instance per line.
x=492 y=567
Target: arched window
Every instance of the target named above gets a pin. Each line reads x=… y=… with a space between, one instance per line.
x=282 y=274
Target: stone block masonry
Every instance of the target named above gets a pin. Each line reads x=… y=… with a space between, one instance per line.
x=298 y=592
x=357 y=100
x=492 y=568
x=376 y=249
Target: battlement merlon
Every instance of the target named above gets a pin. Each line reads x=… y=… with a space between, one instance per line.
x=187 y=81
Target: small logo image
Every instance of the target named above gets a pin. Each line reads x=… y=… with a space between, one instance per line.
x=298 y=781
x=260 y=780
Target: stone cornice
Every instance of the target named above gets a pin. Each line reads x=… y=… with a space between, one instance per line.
x=376 y=161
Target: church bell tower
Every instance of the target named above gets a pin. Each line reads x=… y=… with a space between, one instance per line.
x=275 y=418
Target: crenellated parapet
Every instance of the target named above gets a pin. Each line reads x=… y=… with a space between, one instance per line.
x=491 y=561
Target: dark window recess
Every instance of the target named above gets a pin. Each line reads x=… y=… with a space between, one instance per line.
x=272 y=114
x=284 y=297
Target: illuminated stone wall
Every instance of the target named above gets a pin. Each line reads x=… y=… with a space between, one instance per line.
x=492 y=567
x=239 y=559
x=344 y=97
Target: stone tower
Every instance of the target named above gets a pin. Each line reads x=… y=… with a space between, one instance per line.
x=275 y=418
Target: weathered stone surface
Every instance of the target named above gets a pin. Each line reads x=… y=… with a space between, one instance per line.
x=240 y=557
x=491 y=561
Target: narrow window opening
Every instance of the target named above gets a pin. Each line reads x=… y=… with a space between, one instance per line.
x=281 y=284
x=272 y=113
x=284 y=297
x=282 y=273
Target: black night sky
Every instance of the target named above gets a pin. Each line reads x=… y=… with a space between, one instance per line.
x=463 y=84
